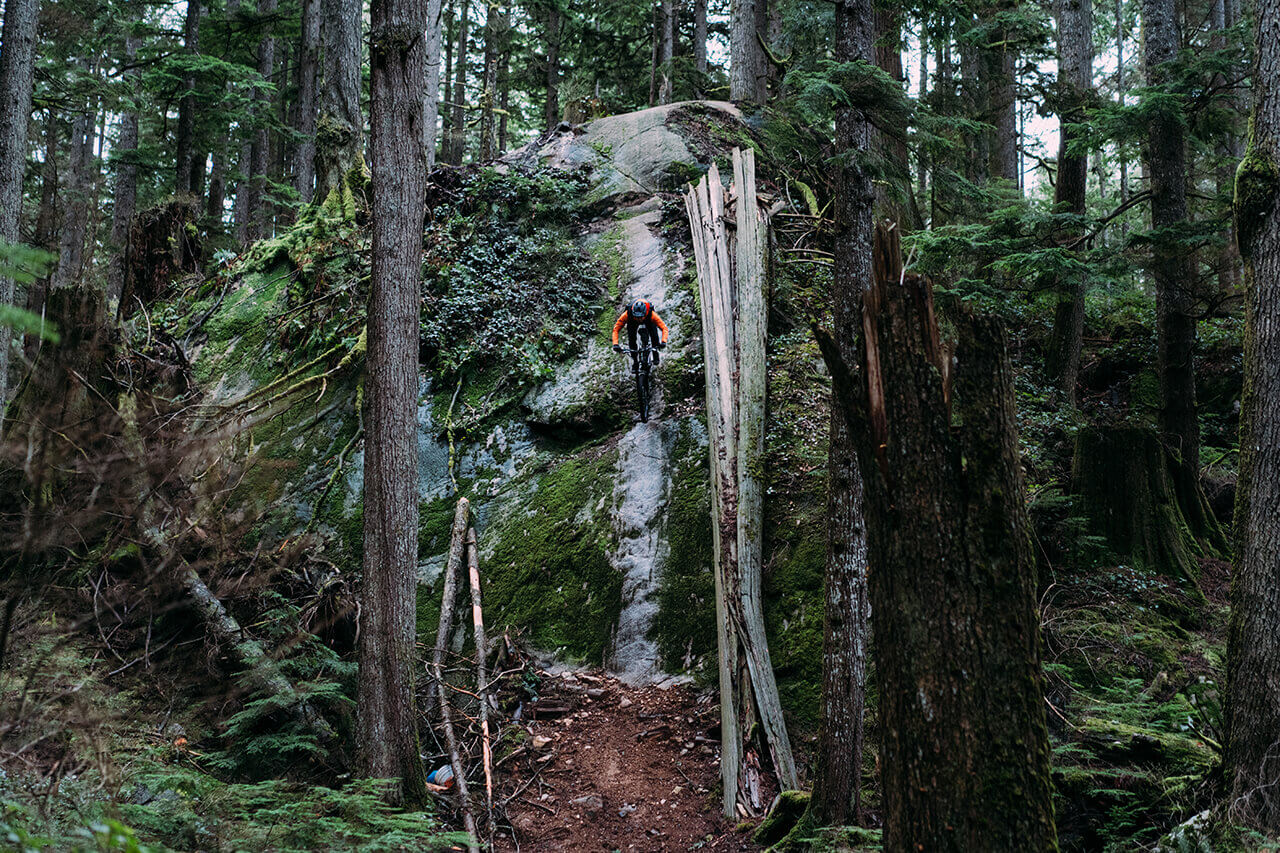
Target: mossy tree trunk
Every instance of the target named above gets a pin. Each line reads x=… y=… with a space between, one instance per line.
x=1251 y=759
x=1123 y=480
x=386 y=718
x=184 y=141
x=1171 y=267
x=838 y=768
x=964 y=746
x=340 y=130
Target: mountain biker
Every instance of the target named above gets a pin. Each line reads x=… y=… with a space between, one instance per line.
x=640 y=317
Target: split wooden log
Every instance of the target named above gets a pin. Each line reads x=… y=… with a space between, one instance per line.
x=456 y=548
x=482 y=678
x=731 y=264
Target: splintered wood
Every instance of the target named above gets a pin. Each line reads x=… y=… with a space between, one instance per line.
x=730 y=243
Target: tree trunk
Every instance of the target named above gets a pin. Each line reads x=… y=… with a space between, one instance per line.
x=1075 y=86
x=457 y=142
x=1171 y=267
x=733 y=341
x=386 y=720
x=551 y=103
x=655 y=52
x=185 y=138
x=1250 y=760
x=76 y=212
x=17 y=69
x=340 y=131
x=964 y=747
x=126 y=188
x=838 y=768
x=308 y=105
x=431 y=89
x=244 y=184
x=46 y=225
x=998 y=63
x=667 y=53
x=260 y=152
x=744 y=52
x=493 y=29
x=504 y=89
x=1122 y=480
x=700 y=40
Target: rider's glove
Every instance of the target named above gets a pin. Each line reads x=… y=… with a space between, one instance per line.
x=662 y=344
x=617 y=347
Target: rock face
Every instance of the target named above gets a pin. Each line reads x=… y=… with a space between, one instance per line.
x=571 y=495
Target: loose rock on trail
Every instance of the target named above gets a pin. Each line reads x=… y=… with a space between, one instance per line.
x=607 y=766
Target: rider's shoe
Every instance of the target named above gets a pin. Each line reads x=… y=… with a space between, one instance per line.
x=656 y=359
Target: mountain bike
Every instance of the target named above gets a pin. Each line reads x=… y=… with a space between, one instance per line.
x=642 y=368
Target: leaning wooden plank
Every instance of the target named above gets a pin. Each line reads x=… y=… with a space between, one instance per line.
x=482 y=678
x=457 y=546
x=751 y=259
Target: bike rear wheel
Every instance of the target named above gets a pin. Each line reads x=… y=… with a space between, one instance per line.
x=641 y=370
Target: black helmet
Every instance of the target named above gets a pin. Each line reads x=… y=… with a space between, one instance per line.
x=639 y=308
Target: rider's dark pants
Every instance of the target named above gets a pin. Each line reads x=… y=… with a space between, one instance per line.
x=648 y=334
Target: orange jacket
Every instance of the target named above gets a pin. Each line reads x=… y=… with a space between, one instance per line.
x=652 y=315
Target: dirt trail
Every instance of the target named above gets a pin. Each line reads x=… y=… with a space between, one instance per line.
x=608 y=766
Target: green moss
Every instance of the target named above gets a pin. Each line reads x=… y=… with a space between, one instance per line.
x=782 y=817
x=684 y=626
x=1257 y=182
x=549 y=573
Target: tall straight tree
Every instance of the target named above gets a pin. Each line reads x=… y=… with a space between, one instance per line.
x=386 y=720
x=185 y=139
x=845 y=617
x=340 y=133
x=308 y=106
x=17 y=70
x=700 y=38
x=666 y=52
x=1171 y=267
x=77 y=211
x=126 y=168
x=260 y=149
x=1250 y=759
x=746 y=63
x=1075 y=83
x=998 y=63
x=551 y=98
x=431 y=88
x=456 y=144
x=495 y=31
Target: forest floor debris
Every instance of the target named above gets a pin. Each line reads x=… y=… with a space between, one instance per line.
x=624 y=768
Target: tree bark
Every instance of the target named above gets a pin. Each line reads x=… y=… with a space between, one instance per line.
x=838 y=767
x=457 y=141
x=998 y=64
x=76 y=212
x=340 y=131
x=494 y=27
x=126 y=188
x=1171 y=267
x=259 y=211
x=308 y=104
x=744 y=52
x=185 y=139
x=731 y=273
x=700 y=40
x=551 y=102
x=667 y=52
x=17 y=69
x=1252 y=708
x=1075 y=84
x=386 y=720
x=964 y=747
x=431 y=89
